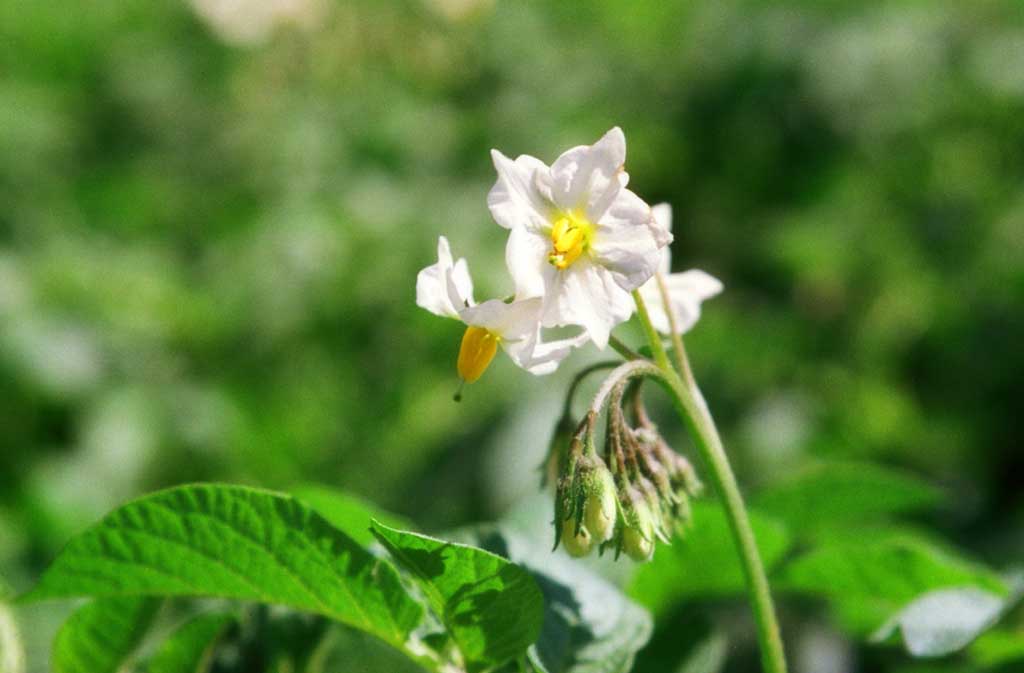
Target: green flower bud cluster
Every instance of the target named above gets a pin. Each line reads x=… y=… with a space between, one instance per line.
x=586 y=509
x=637 y=493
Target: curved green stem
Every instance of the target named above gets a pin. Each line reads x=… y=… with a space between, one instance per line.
x=688 y=401
x=677 y=336
x=578 y=379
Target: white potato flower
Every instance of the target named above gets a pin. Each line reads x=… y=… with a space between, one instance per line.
x=446 y=289
x=686 y=290
x=577 y=237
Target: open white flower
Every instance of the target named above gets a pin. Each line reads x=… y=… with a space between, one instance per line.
x=578 y=238
x=686 y=290
x=446 y=289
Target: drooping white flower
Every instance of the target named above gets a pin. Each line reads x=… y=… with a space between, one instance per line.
x=578 y=238
x=686 y=290
x=446 y=289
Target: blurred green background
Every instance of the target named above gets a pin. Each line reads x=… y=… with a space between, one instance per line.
x=212 y=214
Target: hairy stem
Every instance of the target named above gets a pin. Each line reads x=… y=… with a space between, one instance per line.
x=622 y=349
x=689 y=402
x=622 y=374
x=578 y=379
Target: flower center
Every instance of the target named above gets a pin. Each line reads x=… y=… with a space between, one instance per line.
x=478 y=348
x=570 y=238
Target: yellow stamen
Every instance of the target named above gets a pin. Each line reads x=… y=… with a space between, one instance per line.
x=478 y=348
x=570 y=237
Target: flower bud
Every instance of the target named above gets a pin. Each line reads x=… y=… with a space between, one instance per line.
x=577 y=544
x=601 y=507
x=558 y=450
x=658 y=474
x=682 y=512
x=638 y=525
x=636 y=546
x=682 y=473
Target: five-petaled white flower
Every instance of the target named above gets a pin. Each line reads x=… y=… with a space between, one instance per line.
x=686 y=290
x=578 y=238
x=446 y=289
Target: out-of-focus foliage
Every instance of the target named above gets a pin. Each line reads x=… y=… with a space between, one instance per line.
x=212 y=212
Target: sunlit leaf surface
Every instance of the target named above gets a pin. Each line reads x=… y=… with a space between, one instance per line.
x=101 y=636
x=491 y=607
x=234 y=542
x=590 y=626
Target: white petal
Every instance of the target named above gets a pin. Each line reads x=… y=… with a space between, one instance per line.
x=444 y=288
x=651 y=295
x=526 y=256
x=589 y=177
x=512 y=321
x=539 y=357
x=625 y=241
x=665 y=262
x=696 y=283
x=515 y=200
x=662 y=234
x=663 y=215
x=587 y=295
x=461 y=285
x=686 y=291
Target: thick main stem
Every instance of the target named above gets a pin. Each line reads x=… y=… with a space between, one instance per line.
x=690 y=404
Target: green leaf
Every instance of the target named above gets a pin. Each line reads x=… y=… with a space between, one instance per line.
x=704 y=562
x=190 y=648
x=998 y=647
x=589 y=626
x=491 y=608
x=102 y=635
x=830 y=494
x=234 y=542
x=944 y=621
x=869 y=580
x=348 y=513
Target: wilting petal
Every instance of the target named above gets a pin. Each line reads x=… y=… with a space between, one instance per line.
x=515 y=201
x=444 y=288
x=587 y=295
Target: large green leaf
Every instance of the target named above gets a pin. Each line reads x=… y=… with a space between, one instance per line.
x=704 y=561
x=190 y=648
x=830 y=494
x=234 y=542
x=590 y=626
x=102 y=635
x=492 y=608
x=347 y=513
x=868 y=580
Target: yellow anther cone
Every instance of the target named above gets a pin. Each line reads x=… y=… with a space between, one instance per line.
x=478 y=348
x=569 y=238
